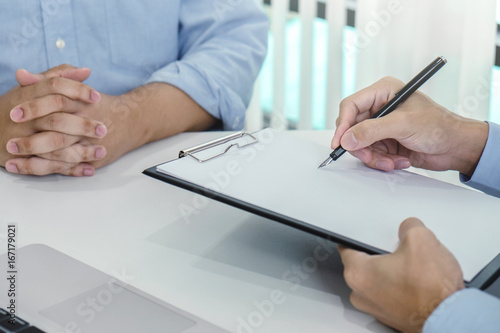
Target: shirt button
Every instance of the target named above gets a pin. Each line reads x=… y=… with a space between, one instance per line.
x=60 y=44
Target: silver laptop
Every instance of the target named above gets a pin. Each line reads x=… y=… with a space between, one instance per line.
x=56 y=293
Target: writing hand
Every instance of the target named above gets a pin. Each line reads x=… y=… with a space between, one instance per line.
x=419 y=133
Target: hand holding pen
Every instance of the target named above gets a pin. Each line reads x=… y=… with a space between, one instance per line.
x=421 y=133
x=398 y=98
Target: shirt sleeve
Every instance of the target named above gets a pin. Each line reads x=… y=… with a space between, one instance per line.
x=486 y=177
x=468 y=310
x=222 y=45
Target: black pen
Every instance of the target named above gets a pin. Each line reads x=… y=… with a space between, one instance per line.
x=399 y=98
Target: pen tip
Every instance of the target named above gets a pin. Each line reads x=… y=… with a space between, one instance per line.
x=326 y=162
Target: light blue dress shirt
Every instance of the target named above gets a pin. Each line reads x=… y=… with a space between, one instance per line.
x=471 y=310
x=466 y=311
x=486 y=177
x=212 y=50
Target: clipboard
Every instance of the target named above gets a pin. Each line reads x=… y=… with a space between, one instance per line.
x=274 y=174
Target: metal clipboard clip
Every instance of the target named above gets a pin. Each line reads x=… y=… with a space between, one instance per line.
x=193 y=150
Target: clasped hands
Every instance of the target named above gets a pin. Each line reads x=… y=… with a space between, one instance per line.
x=53 y=123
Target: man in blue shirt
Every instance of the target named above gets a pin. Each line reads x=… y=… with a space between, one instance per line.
x=419 y=286
x=151 y=69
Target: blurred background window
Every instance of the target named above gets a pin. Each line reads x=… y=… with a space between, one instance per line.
x=322 y=51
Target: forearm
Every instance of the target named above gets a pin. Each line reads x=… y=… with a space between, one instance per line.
x=156 y=111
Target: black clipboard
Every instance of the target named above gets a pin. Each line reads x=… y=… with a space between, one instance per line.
x=482 y=280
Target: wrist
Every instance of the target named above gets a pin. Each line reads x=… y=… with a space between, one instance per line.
x=169 y=111
x=470 y=138
x=133 y=130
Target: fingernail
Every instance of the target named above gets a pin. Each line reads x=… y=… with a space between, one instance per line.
x=16 y=114
x=100 y=153
x=95 y=96
x=11 y=168
x=12 y=148
x=349 y=141
x=101 y=130
x=88 y=172
x=403 y=164
x=383 y=165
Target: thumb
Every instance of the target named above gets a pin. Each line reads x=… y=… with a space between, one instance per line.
x=369 y=131
x=25 y=78
x=409 y=224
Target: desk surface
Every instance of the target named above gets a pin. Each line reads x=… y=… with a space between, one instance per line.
x=222 y=264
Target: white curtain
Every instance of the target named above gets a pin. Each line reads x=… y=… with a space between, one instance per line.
x=400 y=37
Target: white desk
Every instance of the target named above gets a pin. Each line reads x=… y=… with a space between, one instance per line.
x=222 y=264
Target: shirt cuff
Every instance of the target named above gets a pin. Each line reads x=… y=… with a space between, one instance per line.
x=220 y=102
x=467 y=310
x=486 y=177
